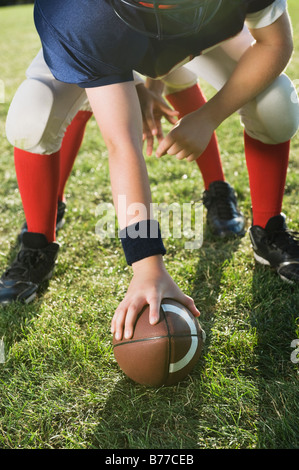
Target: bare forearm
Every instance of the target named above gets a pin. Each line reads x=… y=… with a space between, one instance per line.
x=245 y=84
x=130 y=186
x=257 y=68
x=117 y=111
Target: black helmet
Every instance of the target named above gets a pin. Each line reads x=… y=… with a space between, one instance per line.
x=165 y=19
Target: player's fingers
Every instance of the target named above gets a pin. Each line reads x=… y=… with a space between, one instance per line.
x=133 y=310
x=149 y=145
x=183 y=154
x=189 y=303
x=159 y=135
x=167 y=146
x=171 y=119
x=149 y=140
x=170 y=114
x=150 y=122
x=154 y=310
x=118 y=320
x=192 y=157
x=163 y=146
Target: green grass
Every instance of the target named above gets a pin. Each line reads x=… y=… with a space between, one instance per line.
x=60 y=386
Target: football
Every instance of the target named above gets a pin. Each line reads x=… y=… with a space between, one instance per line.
x=161 y=354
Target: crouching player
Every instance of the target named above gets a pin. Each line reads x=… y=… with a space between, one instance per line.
x=152 y=38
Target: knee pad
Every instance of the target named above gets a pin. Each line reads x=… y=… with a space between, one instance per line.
x=28 y=114
x=273 y=117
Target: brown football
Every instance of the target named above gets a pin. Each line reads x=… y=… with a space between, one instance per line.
x=161 y=354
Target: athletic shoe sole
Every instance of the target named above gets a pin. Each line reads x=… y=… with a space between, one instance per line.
x=31 y=297
x=265 y=262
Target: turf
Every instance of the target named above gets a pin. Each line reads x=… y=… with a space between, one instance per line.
x=60 y=387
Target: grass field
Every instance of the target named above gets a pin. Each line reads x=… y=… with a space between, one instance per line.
x=60 y=387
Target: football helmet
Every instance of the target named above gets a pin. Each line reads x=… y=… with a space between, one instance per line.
x=166 y=19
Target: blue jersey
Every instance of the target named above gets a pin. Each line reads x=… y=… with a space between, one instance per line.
x=86 y=43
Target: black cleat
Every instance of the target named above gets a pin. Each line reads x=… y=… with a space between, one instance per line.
x=223 y=215
x=61 y=208
x=34 y=264
x=277 y=247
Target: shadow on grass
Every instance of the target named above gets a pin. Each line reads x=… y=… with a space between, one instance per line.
x=15 y=317
x=214 y=256
x=275 y=317
x=138 y=417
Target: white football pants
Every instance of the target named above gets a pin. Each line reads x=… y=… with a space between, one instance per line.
x=43 y=107
x=272 y=117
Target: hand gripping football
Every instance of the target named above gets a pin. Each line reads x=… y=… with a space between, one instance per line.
x=161 y=354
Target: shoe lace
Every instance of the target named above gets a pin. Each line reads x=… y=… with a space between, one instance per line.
x=287 y=240
x=25 y=261
x=225 y=210
x=223 y=200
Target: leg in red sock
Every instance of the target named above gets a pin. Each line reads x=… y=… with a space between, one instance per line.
x=223 y=215
x=267 y=169
x=38 y=177
x=70 y=147
x=209 y=163
x=273 y=245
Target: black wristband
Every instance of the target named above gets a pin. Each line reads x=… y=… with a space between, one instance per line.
x=141 y=240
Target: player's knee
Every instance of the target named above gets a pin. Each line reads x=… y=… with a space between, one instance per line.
x=178 y=80
x=276 y=112
x=28 y=116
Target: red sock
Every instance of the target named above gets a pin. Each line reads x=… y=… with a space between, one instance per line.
x=209 y=163
x=38 y=177
x=267 y=169
x=70 y=147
